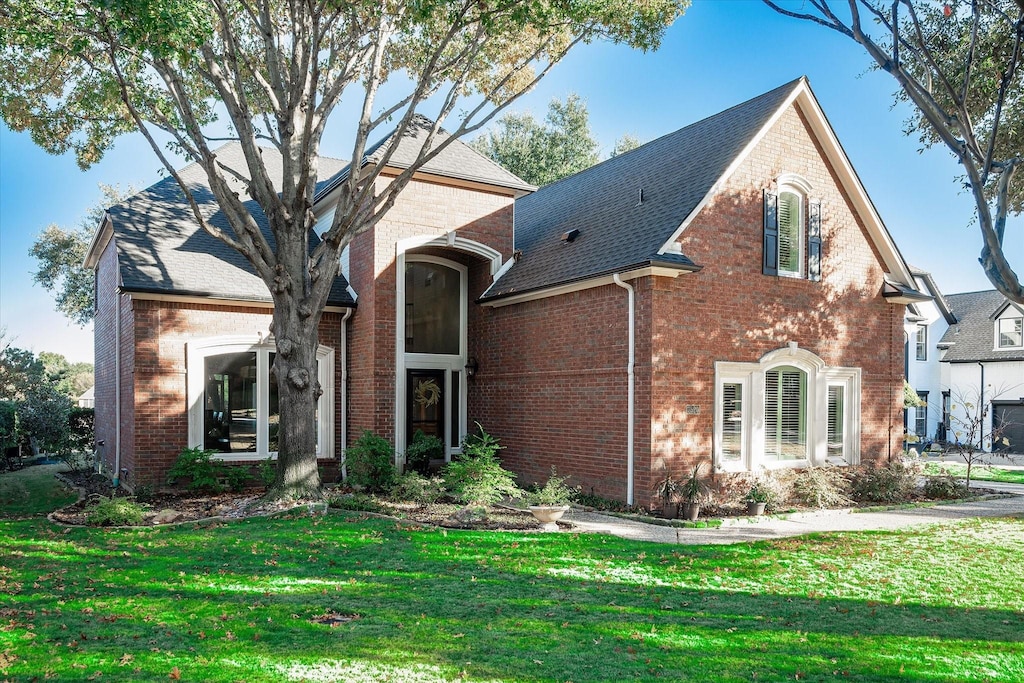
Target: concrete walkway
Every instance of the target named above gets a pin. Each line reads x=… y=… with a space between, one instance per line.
x=805 y=523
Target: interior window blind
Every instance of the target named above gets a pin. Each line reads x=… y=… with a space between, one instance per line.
x=835 y=421
x=732 y=421
x=785 y=404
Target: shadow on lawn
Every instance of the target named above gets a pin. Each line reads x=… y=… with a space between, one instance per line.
x=486 y=604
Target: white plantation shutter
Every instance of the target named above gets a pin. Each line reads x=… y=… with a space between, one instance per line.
x=789 y=233
x=785 y=414
x=732 y=421
x=835 y=421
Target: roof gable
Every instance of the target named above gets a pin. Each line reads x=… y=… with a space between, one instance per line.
x=162 y=249
x=632 y=208
x=972 y=338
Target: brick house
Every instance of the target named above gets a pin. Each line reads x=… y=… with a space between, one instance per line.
x=724 y=293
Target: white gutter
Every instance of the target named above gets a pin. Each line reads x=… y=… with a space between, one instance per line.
x=117 y=389
x=631 y=391
x=344 y=391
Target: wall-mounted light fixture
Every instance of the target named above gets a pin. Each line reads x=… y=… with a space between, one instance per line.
x=472 y=366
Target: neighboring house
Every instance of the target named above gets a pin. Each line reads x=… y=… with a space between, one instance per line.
x=982 y=362
x=725 y=293
x=926 y=323
x=87 y=399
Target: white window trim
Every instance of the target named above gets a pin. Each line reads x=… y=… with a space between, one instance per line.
x=196 y=352
x=999 y=321
x=451 y=363
x=801 y=240
x=921 y=329
x=819 y=377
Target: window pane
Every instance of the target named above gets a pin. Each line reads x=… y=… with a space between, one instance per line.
x=921 y=416
x=835 y=421
x=785 y=414
x=275 y=413
x=1010 y=332
x=455 y=438
x=229 y=417
x=922 y=342
x=432 y=304
x=732 y=421
x=790 y=232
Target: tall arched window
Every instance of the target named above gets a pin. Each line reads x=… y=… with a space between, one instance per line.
x=433 y=301
x=791 y=233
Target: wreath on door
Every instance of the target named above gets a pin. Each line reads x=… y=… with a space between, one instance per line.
x=428 y=393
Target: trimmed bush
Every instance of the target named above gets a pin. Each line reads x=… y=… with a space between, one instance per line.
x=892 y=483
x=415 y=488
x=422 y=450
x=103 y=511
x=371 y=463
x=198 y=466
x=821 y=487
x=945 y=488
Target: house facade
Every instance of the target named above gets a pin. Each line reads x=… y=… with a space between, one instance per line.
x=726 y=294
x=926 y=323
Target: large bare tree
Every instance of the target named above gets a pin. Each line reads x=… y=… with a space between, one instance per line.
x=959 y=63
x=77 y=73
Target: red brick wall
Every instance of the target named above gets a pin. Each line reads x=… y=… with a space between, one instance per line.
x=553 y=383
x=424 y=208
x=105 y=344
x=158 y=375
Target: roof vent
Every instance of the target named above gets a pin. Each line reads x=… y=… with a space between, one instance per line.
x=571 y=235
x=640 y=198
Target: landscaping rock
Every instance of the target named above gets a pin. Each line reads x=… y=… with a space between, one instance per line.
x=167 y=516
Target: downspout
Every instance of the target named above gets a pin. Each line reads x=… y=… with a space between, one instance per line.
x=631 y=390
x=117 y=389
x=344 y=391
x=981 y=406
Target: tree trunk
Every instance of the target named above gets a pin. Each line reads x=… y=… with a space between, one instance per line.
x=295 y=372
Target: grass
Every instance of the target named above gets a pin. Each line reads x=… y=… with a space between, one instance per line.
x=32 y=491
x=339 y=597
x=979 y=472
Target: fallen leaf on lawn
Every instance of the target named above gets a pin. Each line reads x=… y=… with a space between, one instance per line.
x=175 y=674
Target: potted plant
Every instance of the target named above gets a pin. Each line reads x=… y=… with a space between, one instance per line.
x=693 y=492
x=667 y=489
x=757 y=498
x=549 y=502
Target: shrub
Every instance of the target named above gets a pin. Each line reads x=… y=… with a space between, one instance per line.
x=415 y=488
x=371 y=463
x=144 y=493
x=592 y=500
x=554 y=492
x=893 y=483
x=114 y=511
x=357 y=502
x=480 y=444
x=945 y=488
x=81 y=430
x=266 y=471
x=422 y=450
x=478 y=476
x=198 y=466
x=236 y=476
x=821 y=487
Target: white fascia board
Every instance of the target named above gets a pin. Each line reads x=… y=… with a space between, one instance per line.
x=582 y=285
x=99 y=242
x=803 y=98
x=740 y=158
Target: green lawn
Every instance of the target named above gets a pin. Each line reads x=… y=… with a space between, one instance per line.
x=979 y=472
x=241 y=602
x=32 y=491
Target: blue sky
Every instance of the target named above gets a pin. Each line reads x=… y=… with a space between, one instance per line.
x=720 y=53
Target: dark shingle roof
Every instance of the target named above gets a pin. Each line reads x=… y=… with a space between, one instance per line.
x=972 y=338
x=617 y=230
x=162 y=249
x=458 y=160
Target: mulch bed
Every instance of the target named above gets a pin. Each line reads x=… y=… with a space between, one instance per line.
x=193 y=507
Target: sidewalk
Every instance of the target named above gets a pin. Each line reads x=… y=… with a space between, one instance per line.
x=827 y=520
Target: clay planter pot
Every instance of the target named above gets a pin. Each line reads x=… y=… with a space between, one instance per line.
x=754 y=508
x=669 y=511
x=690 y=511
x=548 y=515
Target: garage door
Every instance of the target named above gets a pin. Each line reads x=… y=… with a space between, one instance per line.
x=1009 y=418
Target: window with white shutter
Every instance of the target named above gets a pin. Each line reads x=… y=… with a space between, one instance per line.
x=732 y=421
x=836 y=419
x=785 y=414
